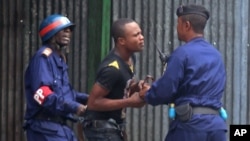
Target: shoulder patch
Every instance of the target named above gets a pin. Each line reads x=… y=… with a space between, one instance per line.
x=47 y=51
x=114 y=64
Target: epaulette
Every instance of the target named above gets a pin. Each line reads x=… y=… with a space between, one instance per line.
x=47 y=51
x=114 y=64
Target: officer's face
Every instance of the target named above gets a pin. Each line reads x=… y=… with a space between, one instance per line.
x=183 y=29
x=63 y=36
x=133 y=38
x=180 y=29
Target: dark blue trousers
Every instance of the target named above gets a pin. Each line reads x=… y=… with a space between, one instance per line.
x=49 y=131
x=199 y=128
x=183 y=135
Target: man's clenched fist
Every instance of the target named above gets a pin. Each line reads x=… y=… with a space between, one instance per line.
x=81 y=109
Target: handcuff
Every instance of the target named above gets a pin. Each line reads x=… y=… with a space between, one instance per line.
x=148 y=79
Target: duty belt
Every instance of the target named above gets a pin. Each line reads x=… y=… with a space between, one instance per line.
x=186 y=111
x=204 y=110
x=56 y=119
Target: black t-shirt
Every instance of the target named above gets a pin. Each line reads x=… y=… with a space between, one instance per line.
x=113 y=74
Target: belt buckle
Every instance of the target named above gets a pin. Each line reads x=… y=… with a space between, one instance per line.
x=95 y=123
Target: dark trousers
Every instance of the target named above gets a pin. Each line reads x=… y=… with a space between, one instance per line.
x=184 y=135
x=49 y=131
x=102 y=134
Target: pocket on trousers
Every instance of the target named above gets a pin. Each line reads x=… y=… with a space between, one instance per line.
x=43 y=128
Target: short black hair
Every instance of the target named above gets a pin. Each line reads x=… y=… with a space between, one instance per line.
x=117 y=29
x=197 y=22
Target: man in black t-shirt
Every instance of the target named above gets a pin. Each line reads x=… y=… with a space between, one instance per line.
x=108 y=98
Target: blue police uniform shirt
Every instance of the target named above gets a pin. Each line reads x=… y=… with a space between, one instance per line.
x=195 y=74
x=50 y=71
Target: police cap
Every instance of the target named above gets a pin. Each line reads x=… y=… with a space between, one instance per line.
x=192 y=9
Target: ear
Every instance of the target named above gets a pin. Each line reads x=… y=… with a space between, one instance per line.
x=187 y=25
x=121 y=40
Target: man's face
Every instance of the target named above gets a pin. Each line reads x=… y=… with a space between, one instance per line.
x=63 y=36
x=180 y=29
x=134 y=40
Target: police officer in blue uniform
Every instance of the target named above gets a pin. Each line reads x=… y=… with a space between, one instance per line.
x=51 y=100
x=193 y=81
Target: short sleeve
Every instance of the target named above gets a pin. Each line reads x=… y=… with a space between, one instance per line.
x=108 y=77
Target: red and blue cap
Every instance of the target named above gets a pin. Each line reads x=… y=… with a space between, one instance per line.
x=53 y=24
